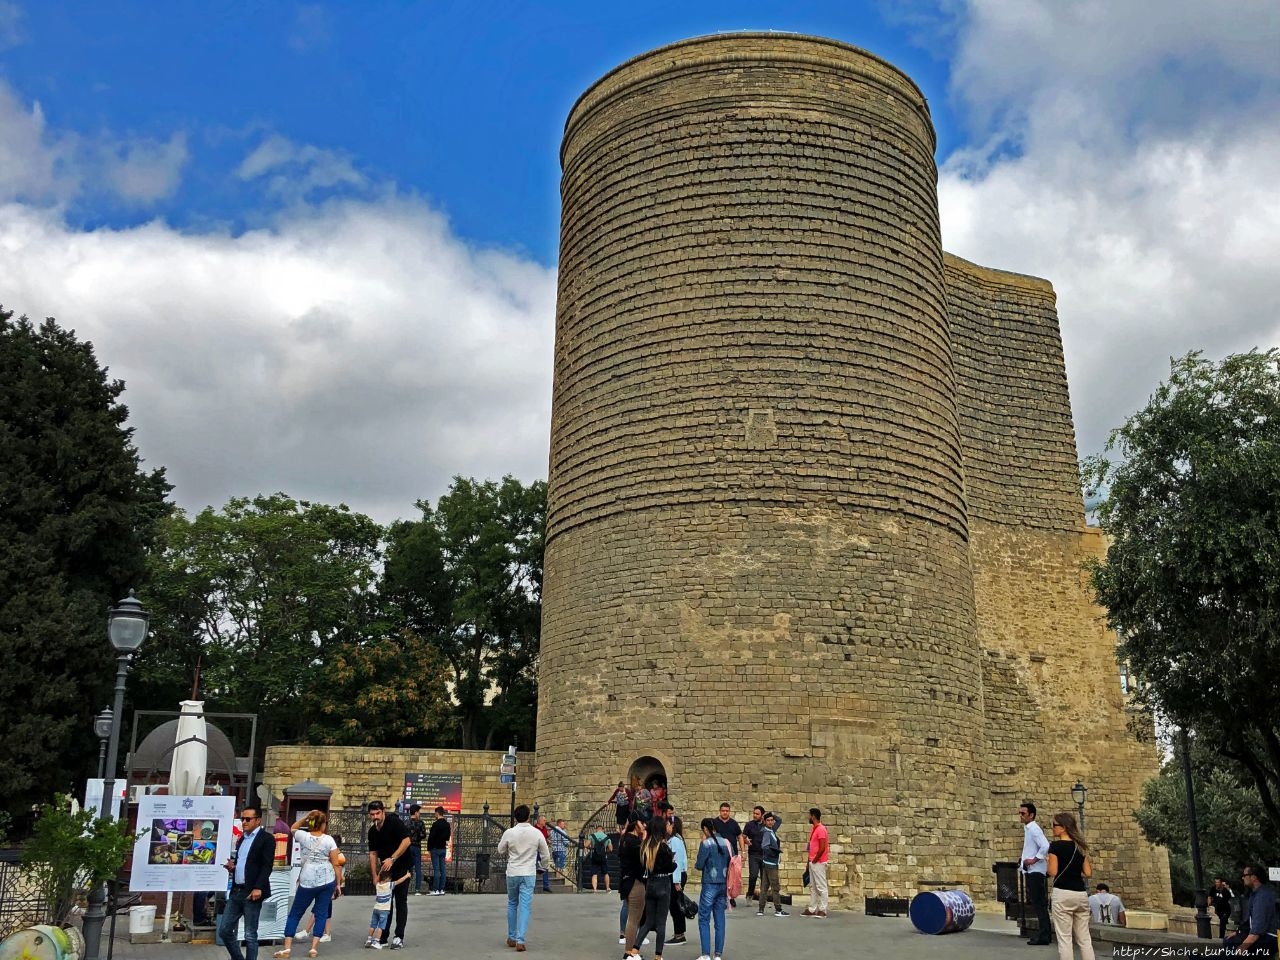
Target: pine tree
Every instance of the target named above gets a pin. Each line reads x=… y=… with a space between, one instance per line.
x=76 y=513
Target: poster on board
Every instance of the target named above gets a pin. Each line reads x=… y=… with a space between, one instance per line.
x=183 y=843
x=435 y=790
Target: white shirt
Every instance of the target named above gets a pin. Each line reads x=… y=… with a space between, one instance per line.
x=1034 y=845
x=317 y=869
x=1106 y=908
x=523 y=844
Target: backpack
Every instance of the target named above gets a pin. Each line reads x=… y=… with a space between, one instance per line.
x=599 y=847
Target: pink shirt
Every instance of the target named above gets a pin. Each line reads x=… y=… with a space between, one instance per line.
x=818 y=841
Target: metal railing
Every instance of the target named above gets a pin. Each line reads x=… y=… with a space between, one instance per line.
x=474 y=865
x=604 y=819
x=20 y=906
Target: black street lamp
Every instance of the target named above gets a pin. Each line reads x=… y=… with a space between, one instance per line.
x=102 y=724
x=126 y=629
x=1204 y=928
x=1080 y=793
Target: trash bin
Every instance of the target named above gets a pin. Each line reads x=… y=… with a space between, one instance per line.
x=941 y=911
x=1006 y=872
x=142 y=919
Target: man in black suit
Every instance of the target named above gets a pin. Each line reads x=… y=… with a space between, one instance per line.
x=250 y=869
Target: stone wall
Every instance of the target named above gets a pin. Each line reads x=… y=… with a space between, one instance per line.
x=360 y=774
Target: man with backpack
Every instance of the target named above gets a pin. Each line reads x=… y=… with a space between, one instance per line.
x=599 y=847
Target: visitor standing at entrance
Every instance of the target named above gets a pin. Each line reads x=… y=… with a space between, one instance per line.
x=751 y=837
x=1069 y=868
x=731 y=831
x=388 y=860
x=522 y=845
x=819 y=853
x=1035 y=865
x=675 y=839
x=714 y=855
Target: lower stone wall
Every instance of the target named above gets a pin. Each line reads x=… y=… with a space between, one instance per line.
x=360 y=774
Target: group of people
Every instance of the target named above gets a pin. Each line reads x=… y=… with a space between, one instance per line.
x=1065 y=860
x=654 y=869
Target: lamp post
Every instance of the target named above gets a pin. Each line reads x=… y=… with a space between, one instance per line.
x=1204 y=929
x=1080 y=793
x=126 y=629
x=102 y=724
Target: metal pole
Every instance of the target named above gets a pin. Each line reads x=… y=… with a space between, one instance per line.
x=96 y=910
x=1203 y=926
x=1080 y=809
x=102 y=758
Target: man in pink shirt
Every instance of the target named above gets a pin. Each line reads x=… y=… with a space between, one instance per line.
x=818 y=854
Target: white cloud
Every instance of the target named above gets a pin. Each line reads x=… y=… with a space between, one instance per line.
x=145 y=170
x=1128 y=153
x=43 y=166
x=295 y=171
x=356 y=352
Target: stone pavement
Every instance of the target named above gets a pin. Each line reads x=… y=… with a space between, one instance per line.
x=584 y=927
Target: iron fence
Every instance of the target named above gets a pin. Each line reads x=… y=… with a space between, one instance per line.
x=474 y=865
x=20 y=906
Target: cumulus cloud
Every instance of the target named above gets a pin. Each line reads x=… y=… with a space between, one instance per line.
x=356 y=352
x=1128 y=153
x=42 y=166
x=11 y=32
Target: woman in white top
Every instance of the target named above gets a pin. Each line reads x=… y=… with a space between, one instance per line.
x=321 y=873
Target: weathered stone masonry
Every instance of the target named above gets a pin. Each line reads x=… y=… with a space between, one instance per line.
x=814 y=531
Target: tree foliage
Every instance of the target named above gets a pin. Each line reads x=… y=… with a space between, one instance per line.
x=467 y=577
x=1228 y=812
x=76 y=515
x=1191 y=578
x=258 y=593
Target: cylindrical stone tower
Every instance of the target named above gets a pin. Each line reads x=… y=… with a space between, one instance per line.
x=757 y=569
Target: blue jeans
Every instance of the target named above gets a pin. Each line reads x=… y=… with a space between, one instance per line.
x=437 y=869
x=239 y=905
x=711 y=903
x=415 y=860
x=322 y=897
x=519 y=899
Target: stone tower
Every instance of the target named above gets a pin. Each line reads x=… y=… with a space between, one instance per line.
x=804 y=474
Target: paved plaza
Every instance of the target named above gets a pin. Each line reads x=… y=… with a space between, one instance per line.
x=584 y=927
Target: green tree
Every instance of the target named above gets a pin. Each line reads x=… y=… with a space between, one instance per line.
x=76 y=515
x=390 y=691
x=1191 y=578
x=259 y=594
x=1228 y=812
x=467 y=577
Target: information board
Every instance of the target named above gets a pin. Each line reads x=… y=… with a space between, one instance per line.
x=183 y=843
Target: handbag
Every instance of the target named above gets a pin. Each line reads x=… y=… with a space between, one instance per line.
x=804 y=878
x=685 y=905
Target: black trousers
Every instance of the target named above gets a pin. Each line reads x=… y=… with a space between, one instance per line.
x=677 y=915
x=753 y=873
x=1038 y=894
x=399 y=910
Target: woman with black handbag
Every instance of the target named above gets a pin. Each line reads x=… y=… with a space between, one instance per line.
x=630 y=882
x=659 y=864
x=1069 y=868
x=682 y=908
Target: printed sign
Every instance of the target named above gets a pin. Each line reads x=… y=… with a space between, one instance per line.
x=183 y=843
x=434 y=790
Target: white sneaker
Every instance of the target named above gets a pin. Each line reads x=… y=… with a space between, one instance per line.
x=704 y=957
x=377 y=944
x=301 y=935
x=623 y=941
x=396 y=943
x=326 y=938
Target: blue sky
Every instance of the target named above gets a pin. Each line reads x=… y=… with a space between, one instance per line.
x=460 y=103
x=318 y=241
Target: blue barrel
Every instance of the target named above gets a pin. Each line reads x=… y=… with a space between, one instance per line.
x=941 y=911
